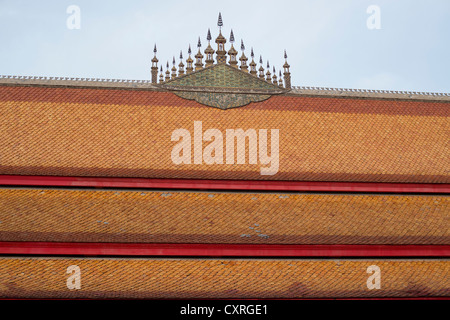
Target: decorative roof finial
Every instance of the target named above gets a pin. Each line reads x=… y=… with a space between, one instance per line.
x=209 y=51
x=167 y=72
x=232 y=52
x=268 y=77
x=181 y=65
x=220 y=22
x=198 y=57
x=220 y=40
x=243 y=58
x=231 y=36
x=161 y=75
x=261 y=68
x=154 y=50
x=274 y=77
x=286 y=73
x=174 y=69
x=253 y=64
x=154 y=69
x=189 y=61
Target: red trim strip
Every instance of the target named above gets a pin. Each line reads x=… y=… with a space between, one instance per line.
x=221 y=250
x=57 y=181
x=231 y=299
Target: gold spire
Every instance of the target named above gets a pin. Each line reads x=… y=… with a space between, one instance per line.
x=189 y=61
x=198 y=57
x=181 y=65
x=161 y=75
x=232 y=52
x=167 y=72
x=280 y=80
x=261 y=68
x=174 y=69
x=154 y=68
x=274 y=77
x=268 y=78
x=253 y=64
x=287 y=74
x=221 y=54
x=209 y=51
x=243 y=58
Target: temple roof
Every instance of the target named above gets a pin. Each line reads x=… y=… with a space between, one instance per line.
x=123 y=133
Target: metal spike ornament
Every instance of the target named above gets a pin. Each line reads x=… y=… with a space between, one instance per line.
x=285 y=55
x=173 y=61
x=189 y=50
x=199 y=44
x=260 y=60
x=242 y=45
x=154 y=49
x=181 y=54
x=252 y=54
x=208 y=37
x=219 y=21
x=231 y=36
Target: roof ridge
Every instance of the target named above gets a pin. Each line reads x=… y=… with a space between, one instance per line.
x=72 y=79
x=296 y=90
x=299 y=88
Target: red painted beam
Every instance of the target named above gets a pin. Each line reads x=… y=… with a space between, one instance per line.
x=221 y=250
x=255 y=185
x=241 y=299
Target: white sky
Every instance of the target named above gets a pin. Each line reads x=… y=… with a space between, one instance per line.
x=328 y=42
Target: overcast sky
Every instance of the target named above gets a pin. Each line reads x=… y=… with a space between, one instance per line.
x=328 y=42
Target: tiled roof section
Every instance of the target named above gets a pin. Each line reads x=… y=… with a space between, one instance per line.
x=202 y=217
x=221 y=76
x=221 y=278
x=126 y=133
